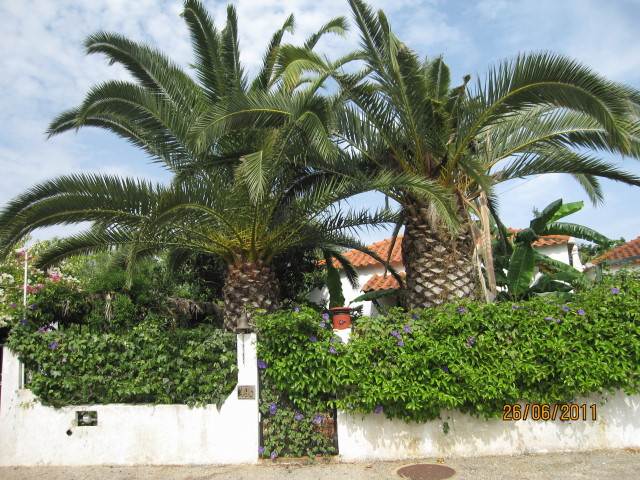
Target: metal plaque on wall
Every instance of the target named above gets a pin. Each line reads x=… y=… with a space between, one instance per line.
x=246 y=392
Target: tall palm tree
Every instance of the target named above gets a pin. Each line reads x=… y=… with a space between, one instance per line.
x=238 y=150
x=538 y=113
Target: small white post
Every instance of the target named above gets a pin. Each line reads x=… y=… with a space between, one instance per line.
x=24 y=309
x=247 y=427
x=343 y=333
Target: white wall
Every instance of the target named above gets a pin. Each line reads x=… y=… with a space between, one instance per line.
x=557 y=252
x=321 y=296
x=31 y=434
x=374 y=437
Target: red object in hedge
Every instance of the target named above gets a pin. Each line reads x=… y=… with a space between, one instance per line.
x=341 y=317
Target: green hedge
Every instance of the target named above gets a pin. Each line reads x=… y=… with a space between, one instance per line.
x=147 y=364
x=472 y=357
x=296 y=393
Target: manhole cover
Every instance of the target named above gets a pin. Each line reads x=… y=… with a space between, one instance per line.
x=426 y=471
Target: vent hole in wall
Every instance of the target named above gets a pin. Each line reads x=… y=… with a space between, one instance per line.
x=69 y=432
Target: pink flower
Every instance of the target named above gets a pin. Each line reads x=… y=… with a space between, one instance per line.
x=55 y=277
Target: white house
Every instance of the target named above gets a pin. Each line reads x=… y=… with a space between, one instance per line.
x=625 y=256
x=372 y=278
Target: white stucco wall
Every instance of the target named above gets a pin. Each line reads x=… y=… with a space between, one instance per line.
x=32 y=434
x=374 y=437
x=557 y=252
x=321 y=296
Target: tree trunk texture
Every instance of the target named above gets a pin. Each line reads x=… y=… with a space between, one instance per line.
x=439 y=265
x=248 y=287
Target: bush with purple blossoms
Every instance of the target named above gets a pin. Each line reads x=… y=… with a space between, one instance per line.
x=471 y=356
x=149 y=363
x=300 y=351
x=476 y=357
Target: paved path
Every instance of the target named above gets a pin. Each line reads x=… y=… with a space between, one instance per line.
x=601 y=465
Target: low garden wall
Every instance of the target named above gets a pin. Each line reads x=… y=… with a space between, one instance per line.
x=374 y=437
x=33 y=434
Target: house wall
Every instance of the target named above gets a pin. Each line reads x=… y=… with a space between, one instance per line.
x=374 y=437
x=321 y=296
x=32 y=434
x=610 y=269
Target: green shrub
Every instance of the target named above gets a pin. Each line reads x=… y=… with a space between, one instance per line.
x=471 y=357
x=297 y=390
x=145 y=364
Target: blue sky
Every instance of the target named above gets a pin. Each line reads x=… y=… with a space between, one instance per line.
x=45 y=71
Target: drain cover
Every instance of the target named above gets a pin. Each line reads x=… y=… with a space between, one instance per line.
x=426 y=471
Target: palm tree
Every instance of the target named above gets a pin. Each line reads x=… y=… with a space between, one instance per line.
x=538 y=113
x=241 y=191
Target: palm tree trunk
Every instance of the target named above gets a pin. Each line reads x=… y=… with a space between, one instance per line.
x=439 y=266
x=249 y=286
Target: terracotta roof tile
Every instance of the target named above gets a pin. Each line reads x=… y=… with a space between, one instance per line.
x=381 y=282
x=621 y=252
x=547 y=240
x=359 y=259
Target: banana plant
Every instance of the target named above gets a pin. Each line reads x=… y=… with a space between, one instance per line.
x=515 y=259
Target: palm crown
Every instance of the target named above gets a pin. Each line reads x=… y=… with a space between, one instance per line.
x=239 y=151
x=538 y=113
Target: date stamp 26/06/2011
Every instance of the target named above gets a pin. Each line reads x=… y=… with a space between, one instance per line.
x=564 y=412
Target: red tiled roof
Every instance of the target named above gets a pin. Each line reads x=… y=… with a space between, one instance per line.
x=381 y=282
x=621 y=252
x=359 y=259
x=547 y=240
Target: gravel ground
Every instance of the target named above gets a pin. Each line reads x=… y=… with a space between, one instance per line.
x=605 y=465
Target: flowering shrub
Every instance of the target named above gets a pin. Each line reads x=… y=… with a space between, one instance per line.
x=297 y=350
x=51 y=296
x=148 y=363
x=472 y=357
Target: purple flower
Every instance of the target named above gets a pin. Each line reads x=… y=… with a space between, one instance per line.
x=615 y=291
x=313 y=339
x=318 y=419
x=322 y=325
x=558 y=320
x=395 y=333
x=378 y=409
x=515 y=307
x=274 y=455
x=400 y=343
x=550 y=319
x=260 y=450
x=445 y=369
x=332 y=350
x=296 y=309
x=406 y=329
x=262 y=364
x=273 y=408
x=471 y=341
x=33 y=306
x=13 y=305
x=298 y=416
x=565 y=308
x=462 y=309
x=581 y=312
x=415 y=316
x=24 y=322
x=42 y=329
x=325 y=316
x=53 y=345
